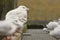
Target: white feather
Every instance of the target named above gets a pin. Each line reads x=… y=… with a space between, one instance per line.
x=52 y=25
x=18 y=15
x=56 y=32
x=14 y=19
x=7 y=28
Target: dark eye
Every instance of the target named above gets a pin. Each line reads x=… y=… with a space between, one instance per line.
x=23 y=7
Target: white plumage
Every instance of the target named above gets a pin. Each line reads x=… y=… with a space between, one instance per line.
x=7 y=28
x=15 y=18
x=52 y=25
x=56 y=32
x=46 y=30
x=54 y=28
x=18 y=15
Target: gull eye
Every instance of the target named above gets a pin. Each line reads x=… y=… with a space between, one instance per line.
x=23 y=7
